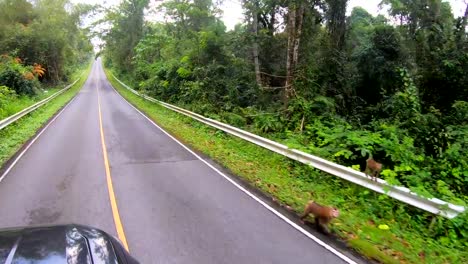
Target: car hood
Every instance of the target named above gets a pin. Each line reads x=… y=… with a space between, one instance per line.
x=57 y=244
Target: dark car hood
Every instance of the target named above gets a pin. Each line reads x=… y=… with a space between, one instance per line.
x=57 y=244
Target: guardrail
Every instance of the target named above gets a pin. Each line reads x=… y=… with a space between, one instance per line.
x=11 y=119
x=433 y=205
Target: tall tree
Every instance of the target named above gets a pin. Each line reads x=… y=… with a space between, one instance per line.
x=126 y=31
x=429 y=36
x=252 y=15
x=295 y=19
x=336 y=23
x=335 y=56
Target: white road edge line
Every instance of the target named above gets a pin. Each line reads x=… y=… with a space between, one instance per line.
x=34 y=140
x=284 y=218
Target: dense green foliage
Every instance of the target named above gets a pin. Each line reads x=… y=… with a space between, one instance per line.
x=303 y=73
x=22 y=79
x=123 y=37
x=41 y=45
x=45 y=34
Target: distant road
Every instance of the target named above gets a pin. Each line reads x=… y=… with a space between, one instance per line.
x=172 y=207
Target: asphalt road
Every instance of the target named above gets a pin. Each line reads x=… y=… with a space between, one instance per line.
x=173 y=207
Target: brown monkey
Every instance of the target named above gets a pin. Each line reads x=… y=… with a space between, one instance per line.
x=322 y=214
x=374 y=168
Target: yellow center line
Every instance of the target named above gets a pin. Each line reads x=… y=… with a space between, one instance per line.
x=110 y=187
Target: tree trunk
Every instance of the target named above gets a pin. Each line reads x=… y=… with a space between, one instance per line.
x=298 y=33
x=294 y=29
x=291 y=29
x=271 y=26
x=258 y=78
x=336 y=25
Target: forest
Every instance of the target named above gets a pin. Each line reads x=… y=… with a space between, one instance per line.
x=42 y=44
x=341 y=87
x=303 y=73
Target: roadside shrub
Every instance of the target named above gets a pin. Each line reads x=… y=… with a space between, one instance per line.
x=459 y=113
x=233 y=119
x=268 y=123
x=6 y=96
x=20 y=78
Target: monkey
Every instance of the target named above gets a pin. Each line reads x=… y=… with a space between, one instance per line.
x=322 y=215
x=374 y=168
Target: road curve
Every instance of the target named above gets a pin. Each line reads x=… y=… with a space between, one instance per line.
x=172 y=206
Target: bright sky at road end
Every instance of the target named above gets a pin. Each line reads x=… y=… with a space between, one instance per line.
x=233 y=13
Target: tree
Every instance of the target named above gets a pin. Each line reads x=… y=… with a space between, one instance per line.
x=254 y=13
x=437 y=50
x=127 y=29
x=294 y=30
x=335 y=58
x=46 y=32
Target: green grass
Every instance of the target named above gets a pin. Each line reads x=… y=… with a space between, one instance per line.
x=22 y=102
x=293 y=184
x=15 y=135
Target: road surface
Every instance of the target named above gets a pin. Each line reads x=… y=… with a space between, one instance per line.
x=173 y=208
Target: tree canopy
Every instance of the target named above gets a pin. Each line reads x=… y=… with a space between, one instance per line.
x=45 y=33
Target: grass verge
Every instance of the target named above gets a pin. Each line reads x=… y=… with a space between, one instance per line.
x=292 y=184
x=24 y=101
x=13 y=137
